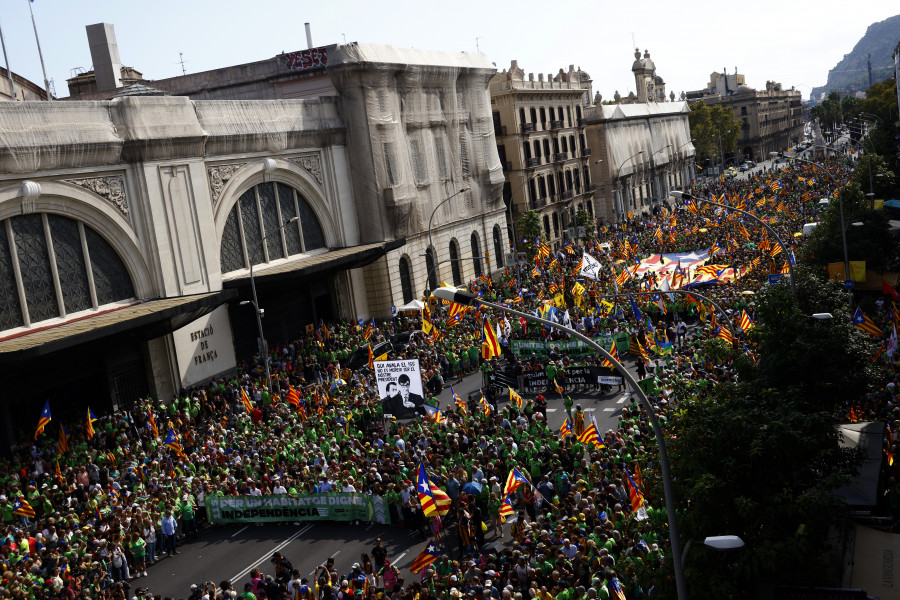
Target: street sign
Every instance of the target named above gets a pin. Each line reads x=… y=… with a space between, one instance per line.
x=775 y=278
x=522 y=258
x=848 y=284
x=393 y=310
x=510 y=259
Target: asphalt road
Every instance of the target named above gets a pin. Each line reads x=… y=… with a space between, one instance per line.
x=231 y=551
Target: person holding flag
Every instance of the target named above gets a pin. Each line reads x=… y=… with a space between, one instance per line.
x=433 y=499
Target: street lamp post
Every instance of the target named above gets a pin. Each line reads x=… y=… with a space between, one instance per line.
x=430 y=241
x=467 y=299
x=652 y=166
x=784 y=248
x=264 y=349
x=621 y=208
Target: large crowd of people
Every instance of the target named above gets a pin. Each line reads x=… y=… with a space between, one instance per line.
x=112 y=504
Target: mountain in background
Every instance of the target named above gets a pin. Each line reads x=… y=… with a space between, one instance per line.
x=851 y=74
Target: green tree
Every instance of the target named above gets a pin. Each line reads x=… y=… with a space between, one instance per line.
x=882 y=180
x=584 y=219
x=871 y=241
x=761 y=458
x=529 y=227
x=713 y=128
x=822 y=362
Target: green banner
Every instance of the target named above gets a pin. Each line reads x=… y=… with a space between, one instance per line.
x=525 y=348
x=333 y=506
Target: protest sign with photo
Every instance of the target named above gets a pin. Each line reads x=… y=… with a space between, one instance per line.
x=400 y=388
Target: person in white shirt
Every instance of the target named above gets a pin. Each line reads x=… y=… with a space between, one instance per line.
x=279 y=488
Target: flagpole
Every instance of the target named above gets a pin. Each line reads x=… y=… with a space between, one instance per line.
x=12 y=88
x=41 y=54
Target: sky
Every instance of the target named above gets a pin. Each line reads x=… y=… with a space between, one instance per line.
x=792 y=42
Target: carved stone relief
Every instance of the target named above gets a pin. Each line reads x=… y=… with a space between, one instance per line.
x=111 y=188
x=218 y=176
x=311 y=163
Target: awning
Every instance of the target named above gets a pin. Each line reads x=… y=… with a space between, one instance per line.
x=148 y=320
x=337 y=259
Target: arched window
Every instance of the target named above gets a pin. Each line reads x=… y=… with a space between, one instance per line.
x=405 y=280
x=546 y=226
x=476 y=253
x=454 y=263
x=64 y=267
x=429 y=265
x=258 y=214
x=498 y=246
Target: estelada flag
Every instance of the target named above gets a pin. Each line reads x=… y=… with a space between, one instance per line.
x=63 y=439
x=862 y=322
x=566 y=429
x=246 y=400
x=293 y=396
x=90 y=423
x=506 y=509
x=433 y=499
x=43 y=420
x=614 y=352
x=425 y=558
x=514 y=480
x=634 y=493
x=371 y=358
x=152 y=420
x=746 y=322
x=591 y=435
x=172 y=442
x=22 y=508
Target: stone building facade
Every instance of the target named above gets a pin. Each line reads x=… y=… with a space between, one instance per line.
x=771 y=119
x=131 y=228
x=539 y=128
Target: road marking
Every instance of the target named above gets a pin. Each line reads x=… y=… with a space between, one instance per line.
x=371 y=525
x=608 y=409
x=335 y=553
x=239 y=530
x=268 y=554
x=399 y=558
x=620 y=401
x=313 y=572
x=552 y=409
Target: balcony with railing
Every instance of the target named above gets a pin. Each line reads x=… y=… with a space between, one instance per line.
x=538 y=202
x=556 y=125
x=589 y=188
x=581 y=122
x=560 y=156
x=585 y=151
x=530 y=163
x=526 y=127
x=568 y=195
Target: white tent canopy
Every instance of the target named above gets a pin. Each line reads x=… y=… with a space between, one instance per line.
x=414 y=305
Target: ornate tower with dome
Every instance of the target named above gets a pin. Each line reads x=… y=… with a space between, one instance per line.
x=650 y=87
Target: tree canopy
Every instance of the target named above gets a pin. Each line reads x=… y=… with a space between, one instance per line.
x=709 y=125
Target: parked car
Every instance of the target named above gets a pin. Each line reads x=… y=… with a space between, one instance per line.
x=744 y=167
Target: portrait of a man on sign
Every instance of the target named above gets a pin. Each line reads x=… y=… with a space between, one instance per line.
x=400 y=388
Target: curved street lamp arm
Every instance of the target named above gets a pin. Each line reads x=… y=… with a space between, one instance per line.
x=685 y=293
x=467 y=299
x=784 y=248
